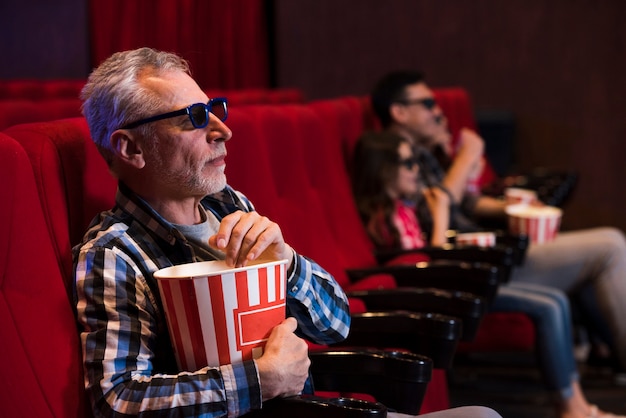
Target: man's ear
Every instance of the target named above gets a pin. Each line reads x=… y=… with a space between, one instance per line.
x=397 y=112
x=127 y=149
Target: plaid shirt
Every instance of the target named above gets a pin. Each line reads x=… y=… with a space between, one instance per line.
x=129 y=364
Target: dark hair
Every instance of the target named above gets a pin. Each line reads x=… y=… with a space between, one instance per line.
x=374 y=166
x=391 y=89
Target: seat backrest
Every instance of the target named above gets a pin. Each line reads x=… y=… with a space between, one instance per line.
x=39 y=354
x=36 y=89
x=457 y=106
x=27 y=101
x=259 y=95
x=16 y=111
x=72 y=178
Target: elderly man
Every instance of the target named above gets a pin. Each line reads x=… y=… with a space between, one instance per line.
x=165 y=141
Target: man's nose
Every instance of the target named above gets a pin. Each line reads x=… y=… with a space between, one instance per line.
x=218 y=130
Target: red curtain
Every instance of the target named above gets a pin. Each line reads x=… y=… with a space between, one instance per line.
x=225 y=41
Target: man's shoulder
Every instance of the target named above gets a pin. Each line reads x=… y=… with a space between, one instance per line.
x=104 y=230
x=126 y=239
x=115 y=228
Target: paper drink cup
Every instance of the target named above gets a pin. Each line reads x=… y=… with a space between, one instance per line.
x=516 y=195
x=481 y=239
x=218 y=315
x=540 y=223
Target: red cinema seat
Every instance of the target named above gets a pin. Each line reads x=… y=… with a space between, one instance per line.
x=16 y=111
x=238 y=97
x=40 y=89
x=40 y=358
x=72 y=178
x=37 y=89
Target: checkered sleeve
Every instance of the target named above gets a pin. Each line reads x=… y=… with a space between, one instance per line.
x=118 y=316
x=318 y=303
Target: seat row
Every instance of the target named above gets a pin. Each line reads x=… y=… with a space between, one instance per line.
x=41 y=350
x=290 y=160
x=43 y=89
x=24 y=101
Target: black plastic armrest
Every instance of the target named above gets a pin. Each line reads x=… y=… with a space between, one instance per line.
x=396 y=379
x=481 y=279
x=519 y=244
x=466 y=306
x=317 y=406
x=500 y=254
x=429 y=334
x=503 y=256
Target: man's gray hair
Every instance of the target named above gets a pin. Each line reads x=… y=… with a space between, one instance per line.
x=113 y=96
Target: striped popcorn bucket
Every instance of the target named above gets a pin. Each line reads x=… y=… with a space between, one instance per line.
x=481 y=239
x=218 y=315
x=540 y=223
x=515 y=195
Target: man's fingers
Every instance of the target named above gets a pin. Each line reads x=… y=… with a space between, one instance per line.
x=222 y=238
x=291 y=322
x=245 y=236
x=256 y=239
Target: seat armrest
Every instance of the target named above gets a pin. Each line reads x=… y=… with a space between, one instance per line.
x=481 y=279
x=396 y=379
x=429 y=334
x=500 y=255
x=317 y=406
x=519 y=244
x=465 y=306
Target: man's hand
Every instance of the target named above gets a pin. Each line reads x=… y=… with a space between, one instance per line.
x=468 y=155
x=247 y=236
x=470 y=146
x=438 y=203
x=284 y=366
x=437 y=200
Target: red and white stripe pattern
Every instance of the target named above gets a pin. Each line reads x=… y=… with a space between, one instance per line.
x=516 y=195
x=223 y=318
x=540 y=229
x=481 y=239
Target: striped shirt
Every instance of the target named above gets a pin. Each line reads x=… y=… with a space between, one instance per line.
x=129 y=364
x=406 y=224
